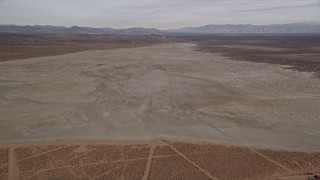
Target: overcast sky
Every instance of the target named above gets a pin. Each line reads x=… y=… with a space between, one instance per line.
x=162 y=14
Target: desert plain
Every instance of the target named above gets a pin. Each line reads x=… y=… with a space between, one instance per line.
x=159 y=107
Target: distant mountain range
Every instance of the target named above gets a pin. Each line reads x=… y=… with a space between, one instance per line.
x=208 y=29
x=253 y=29
x=76 y=30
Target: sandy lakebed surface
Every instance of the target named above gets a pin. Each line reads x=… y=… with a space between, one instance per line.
x=167 y=90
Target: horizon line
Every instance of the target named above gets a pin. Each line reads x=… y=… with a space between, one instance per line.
x=316 y=23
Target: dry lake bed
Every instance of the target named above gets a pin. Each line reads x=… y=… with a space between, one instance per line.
x=168 y=90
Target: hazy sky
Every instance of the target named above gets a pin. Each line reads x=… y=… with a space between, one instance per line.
x=162 y=14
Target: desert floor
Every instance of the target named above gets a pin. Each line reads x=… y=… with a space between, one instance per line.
x=158 y=91
x=151 y=159
x=234 y=119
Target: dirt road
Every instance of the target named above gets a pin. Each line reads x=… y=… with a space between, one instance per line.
x=151 y=159
x=158 y=91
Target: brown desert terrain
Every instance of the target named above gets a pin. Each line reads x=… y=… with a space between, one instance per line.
x=152 y=159
x=298 y=51
x=21 y=46
x=242 y=113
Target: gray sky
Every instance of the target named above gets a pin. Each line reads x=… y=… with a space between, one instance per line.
x=162 y=14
